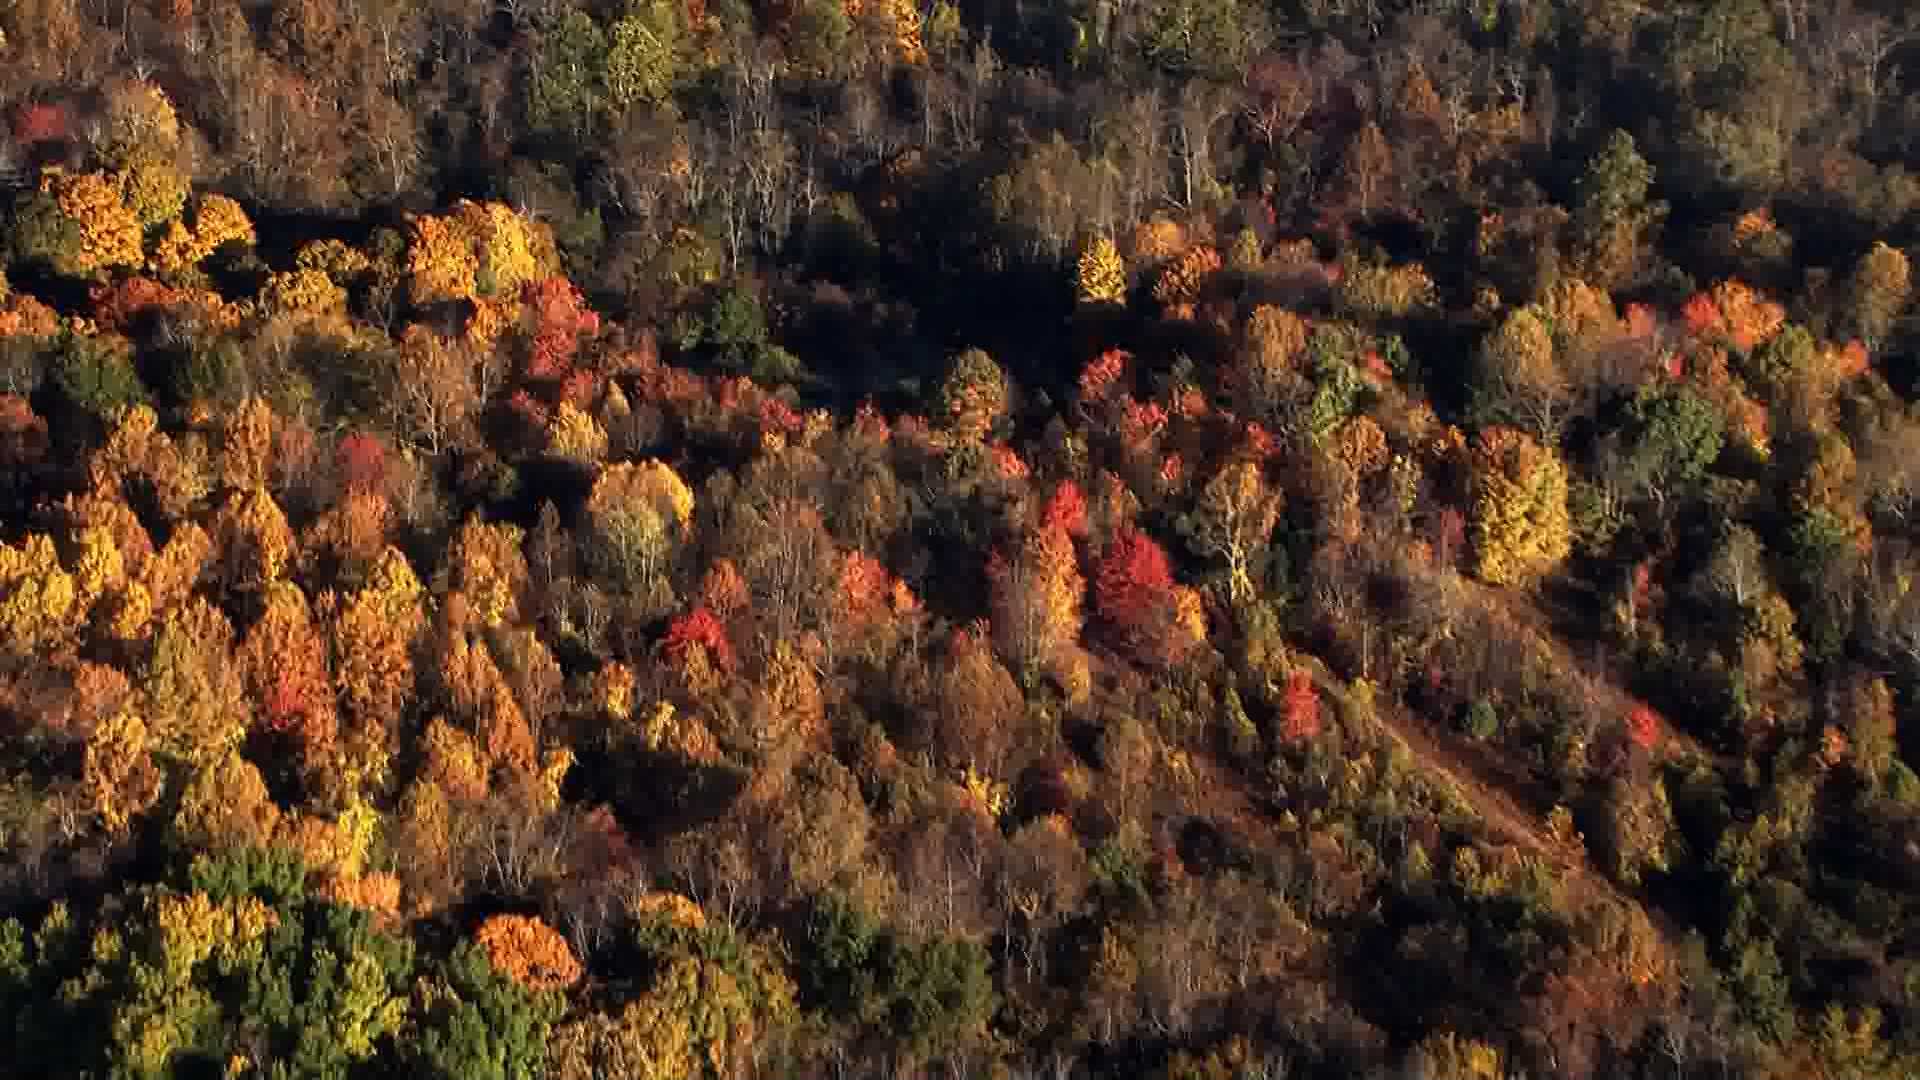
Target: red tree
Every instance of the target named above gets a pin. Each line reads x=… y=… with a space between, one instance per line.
x=558 y=317
x=1300 y=708
x=1066 y=510
x=362 y=461
x=1133 y=589
x=699 y=627
x=1643 y=727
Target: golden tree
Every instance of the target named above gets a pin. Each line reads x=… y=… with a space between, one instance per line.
x=373 y=634
x=255 y=541
x=1520 y=525
x=117 y=775
x=441 y=261
x=1881 y=287
x=226 y=805
x=1036 y=598
x=1520 y=380
x=195 y=698
x=109 y=232
x=1233 y=521
x=1102 y=277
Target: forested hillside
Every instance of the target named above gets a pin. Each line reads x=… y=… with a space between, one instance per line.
x=1185 y=539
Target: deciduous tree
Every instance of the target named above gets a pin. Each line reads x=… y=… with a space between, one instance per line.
x=1519 y=522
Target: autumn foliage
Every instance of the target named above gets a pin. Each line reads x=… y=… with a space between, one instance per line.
x=528 y=951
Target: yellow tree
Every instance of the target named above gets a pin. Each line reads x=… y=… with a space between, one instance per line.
x=649 y=1039
x=117 y=775
x=255 y=541
x=638 y=513
x=1881 y=287
x=1233 y=521
x=109 y=233
x=226 y=805
x=139 y=120
x=486 y=566
x=41 y=606
x=441 y=261
x=1037 y=598
x=195 y=698
x=373 y=633
x=219 y=221
x=1102 y=277
x=1519 y=381
x=1520 y=525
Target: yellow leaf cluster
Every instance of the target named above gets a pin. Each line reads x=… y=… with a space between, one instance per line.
x=109 y=231
x=302 y=292
x=1379 y=291
x=1102 y=274
x=510 y=244
x=98 y=569
x=373 y=635
x=140 y=122
x=441 y=262
x=485 y=565
x=1520 y=524
x=193 y=927
x=219 y=221
x=669 y=907
x=477 y=250
x=246 y=445
x=196 y=701
x=340 y=261
x=1446 y=1056
x=117 y=773
x=1036 y=600
x=613 y=688
x=652 y=482
x=257 y=542
x=154 y=189
x=42 y=604
x=575 y=435
x=227 y=806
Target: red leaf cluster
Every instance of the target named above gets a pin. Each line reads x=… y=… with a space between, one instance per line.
x=1300 y=708
x=1008 y=464
x=558 y=318
x=1133 y=584
x=115 y=307
x=40 y=122
x=778 y=416
x=1066 y=510
x=362 y=461
x=865 y=586
x=1643 y=727
x=1143 y=420
x=699 y=628
x=1101 y=375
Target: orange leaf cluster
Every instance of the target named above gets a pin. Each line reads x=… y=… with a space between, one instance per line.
x=529 y=952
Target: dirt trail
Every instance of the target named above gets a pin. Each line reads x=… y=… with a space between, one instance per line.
x=1503 y=812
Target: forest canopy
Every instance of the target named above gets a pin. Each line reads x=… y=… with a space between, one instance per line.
x=1186 y=539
